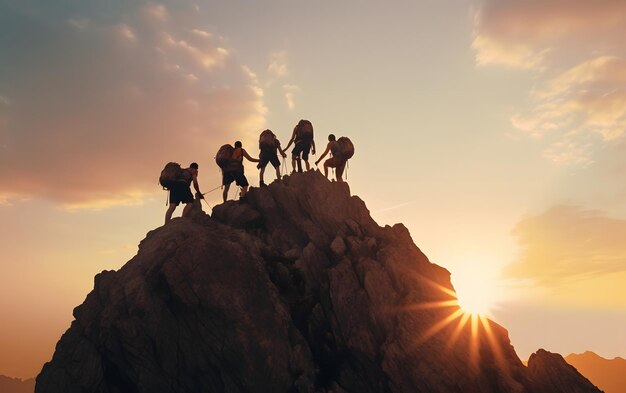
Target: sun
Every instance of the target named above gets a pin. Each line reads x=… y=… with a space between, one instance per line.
x=472 y=299
x=476 y=292
x=464 y=312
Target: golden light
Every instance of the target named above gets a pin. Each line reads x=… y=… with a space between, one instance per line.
x=477 y=291
x=473 y=298
x=463 y=316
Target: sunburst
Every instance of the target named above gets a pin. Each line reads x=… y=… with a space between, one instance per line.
x=480 y=329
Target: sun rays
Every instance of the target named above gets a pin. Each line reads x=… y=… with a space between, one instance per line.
x=458 y=327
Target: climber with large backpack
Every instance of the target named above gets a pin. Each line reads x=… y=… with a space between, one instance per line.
x=269 y=146
x=230 y=160
x=178 y=181
x=341 y=150
x=302 y=137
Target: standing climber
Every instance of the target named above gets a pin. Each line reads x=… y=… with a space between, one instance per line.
x=302 y=137
x=269 y=146
x=179 y=186
x=233 y=171
x=341 y=150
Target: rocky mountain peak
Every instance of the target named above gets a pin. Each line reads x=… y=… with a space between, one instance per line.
x=557 y=373
x=297 y=289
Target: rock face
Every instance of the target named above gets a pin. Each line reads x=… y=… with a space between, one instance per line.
x=556 y=375
x=296 y=290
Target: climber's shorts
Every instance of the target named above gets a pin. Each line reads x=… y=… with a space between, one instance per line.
x=180 y=193
x=238 y=177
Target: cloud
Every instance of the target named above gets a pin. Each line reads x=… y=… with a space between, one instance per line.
x=530 y=28
x=490 y=51
x=393 y=207
x=290 y=90
x=578 y=108
x=277 y=70
x=568 y=243
x=277 y=67
x=157 y=11
x=575 y=48
x=95 y=103
x=569 y=151
x=202 y=33
x=126 y=32
x=80 y=23
x=600 y=73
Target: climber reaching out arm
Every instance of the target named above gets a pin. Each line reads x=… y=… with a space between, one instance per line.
x=196 y=186
x=194 y=177
x=323 y=154
x=293 y=138
x=247 y=156
x=282 y=152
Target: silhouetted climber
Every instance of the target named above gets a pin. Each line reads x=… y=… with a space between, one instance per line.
x=233 y=172
x=303 y=138
x=341 y=151
x=178 y=181
x=269 y=146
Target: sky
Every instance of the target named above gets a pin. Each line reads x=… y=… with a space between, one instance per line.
x=493 y=129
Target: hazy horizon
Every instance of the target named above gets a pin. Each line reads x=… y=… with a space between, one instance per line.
x=494 y=130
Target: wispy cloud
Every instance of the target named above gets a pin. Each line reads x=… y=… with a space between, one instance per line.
x=158 y=12
x=575 y=48
x=534 y=28
x=277 y=67
x=490 y=51
x=568 y=243
x=393 y=207
x=290 y=91
x=4 y=200
x=127 y=198
x=126 y=32
x=78 y=23
x=116 y=97
x=278 y=70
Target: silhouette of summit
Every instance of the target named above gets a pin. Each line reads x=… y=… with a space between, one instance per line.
x=16 y=385
x=295 y=290
x=607 y=374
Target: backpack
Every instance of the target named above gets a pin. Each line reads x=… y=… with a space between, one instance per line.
x=304 y=131
x=224 y=156
x=172 y=174
x=267 y=140
x=346 y=148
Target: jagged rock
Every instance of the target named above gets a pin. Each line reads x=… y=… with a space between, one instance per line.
x=295 y=290
x=551 y=373
x=338 y=247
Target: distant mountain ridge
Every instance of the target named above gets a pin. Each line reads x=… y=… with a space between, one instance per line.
x=16 y=385
x=296 y=290
x=608 y=374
